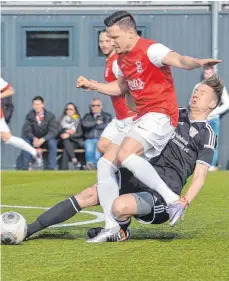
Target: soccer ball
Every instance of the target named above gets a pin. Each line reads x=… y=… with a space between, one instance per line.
x=13 y=228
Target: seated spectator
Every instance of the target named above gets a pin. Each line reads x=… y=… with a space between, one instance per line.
x=40 y=130
x=93 y=124
x=71 y=135
x=214 y=116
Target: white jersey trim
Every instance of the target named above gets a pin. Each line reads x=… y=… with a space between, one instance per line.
x=115 y=69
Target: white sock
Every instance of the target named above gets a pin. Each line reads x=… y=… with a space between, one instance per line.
x=146 y=173
x=20 y=143
x=108 y=190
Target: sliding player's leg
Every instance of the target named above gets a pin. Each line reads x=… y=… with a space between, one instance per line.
x=64 y=210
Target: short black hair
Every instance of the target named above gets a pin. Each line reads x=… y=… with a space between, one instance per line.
x=120 y=18
x=38 y=98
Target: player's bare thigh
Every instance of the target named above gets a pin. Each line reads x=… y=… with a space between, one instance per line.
x=5 y=136
x=88 y=197
x=103 y=144
x=129 y=146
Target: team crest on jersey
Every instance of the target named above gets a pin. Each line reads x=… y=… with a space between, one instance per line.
x=139 y=66
x=193 y=132
x=107 y=72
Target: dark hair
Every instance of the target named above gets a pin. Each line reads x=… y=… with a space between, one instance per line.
x=102 y=31
x=216 y=83
x=121 y=18
x=65 y=110
x=38 y=98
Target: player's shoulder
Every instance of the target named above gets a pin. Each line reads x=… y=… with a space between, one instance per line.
x=207 y=135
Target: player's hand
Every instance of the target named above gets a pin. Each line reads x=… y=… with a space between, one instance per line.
x=83 y=83
x=64 y=136
x=209 y=62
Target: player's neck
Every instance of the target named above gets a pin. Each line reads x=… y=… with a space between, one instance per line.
x=197 y=115
x=110 y=55
x=135 y=41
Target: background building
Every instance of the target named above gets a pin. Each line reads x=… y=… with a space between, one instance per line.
x=45 y=47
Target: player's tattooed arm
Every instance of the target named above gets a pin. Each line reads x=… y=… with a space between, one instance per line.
x=197 y=183
x=109 y=89
x=187 y=63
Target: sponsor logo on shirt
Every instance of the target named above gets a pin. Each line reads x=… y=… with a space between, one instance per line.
x=180 y=141
x=193 y=132
x=136 y=84
x=139 y=66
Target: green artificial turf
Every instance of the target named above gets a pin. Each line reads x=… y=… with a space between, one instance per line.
x=195 y=250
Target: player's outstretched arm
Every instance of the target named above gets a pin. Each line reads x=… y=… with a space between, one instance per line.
x=187 y=63
x=7 y=93
x=109 y=89
x=197 y=183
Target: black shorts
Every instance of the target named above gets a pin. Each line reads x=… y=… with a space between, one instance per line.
x=130 y=184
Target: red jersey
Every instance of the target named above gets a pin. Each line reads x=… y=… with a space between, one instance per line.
x=149 y=81
x=119 y=103
x=3 y=86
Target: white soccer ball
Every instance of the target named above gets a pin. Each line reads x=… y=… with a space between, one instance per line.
x=13 y=228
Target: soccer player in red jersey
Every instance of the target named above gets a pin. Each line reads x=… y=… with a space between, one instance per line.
x=144 y=72
x=123 y=114
x=6 y=136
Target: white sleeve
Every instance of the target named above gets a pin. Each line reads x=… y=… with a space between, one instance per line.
x=156 y=52
x=119 y=71
x=115 y=69
x=3 y=84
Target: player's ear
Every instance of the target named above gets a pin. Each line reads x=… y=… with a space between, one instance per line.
x=213 y=104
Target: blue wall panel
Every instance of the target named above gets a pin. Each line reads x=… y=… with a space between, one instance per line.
x=185 y=33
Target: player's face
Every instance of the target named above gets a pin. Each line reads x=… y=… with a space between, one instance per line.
x=38 y=106
x=208 y=73
x=121 y=38
x=96 y=106
x=203 y=99
x=105 y=44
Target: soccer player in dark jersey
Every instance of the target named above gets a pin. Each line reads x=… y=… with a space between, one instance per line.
x=189 y=151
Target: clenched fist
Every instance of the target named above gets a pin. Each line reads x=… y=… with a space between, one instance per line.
x=83 y=82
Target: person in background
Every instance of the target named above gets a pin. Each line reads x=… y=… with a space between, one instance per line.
x=7 y=108
x=40 y=130
x=71 y=135
x=93 y=124
x=214 y=116
x=5 y=133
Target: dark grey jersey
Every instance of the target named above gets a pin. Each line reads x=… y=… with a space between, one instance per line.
x=192 y=142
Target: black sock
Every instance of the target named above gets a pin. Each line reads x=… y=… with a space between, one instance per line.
x=124 y=224
x=62 y=211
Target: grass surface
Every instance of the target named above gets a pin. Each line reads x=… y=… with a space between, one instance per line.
x=196 y=250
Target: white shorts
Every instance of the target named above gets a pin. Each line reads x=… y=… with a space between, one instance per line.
x=116 y=126
x=3 y=126
x=153 y=130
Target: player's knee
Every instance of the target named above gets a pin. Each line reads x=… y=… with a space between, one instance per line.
x=119 y=208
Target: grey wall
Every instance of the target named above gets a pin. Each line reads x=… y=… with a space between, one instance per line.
x=187 y=33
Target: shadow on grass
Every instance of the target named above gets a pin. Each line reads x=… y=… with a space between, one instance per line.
x=163 y=236
x=137 y=234
x=56 y=234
